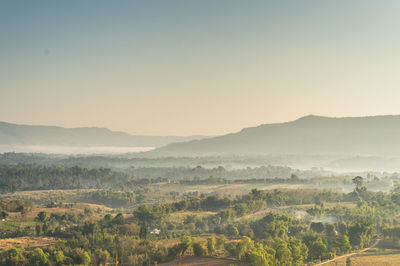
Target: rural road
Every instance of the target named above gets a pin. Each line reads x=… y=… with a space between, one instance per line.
x=350 y=254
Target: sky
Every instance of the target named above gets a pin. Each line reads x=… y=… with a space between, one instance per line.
x=196 y=67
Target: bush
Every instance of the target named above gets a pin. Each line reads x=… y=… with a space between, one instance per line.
x=199 y=249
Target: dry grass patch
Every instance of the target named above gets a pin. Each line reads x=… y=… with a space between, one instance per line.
x=26 y=242
x=383 y=254
x=37 y=195
x=386 y=258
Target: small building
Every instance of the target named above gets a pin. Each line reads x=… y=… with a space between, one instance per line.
x=154 y=231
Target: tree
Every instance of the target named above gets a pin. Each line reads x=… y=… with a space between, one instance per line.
x=330 y=230
x=145 y=216
x=118 y=219
x=358 y=181
x=317 y=227
x=258 y=259
x=107 y=218
x=186 y=242
x=38 y=229
x=59 y=257
x=231 y=230
x=101 y=257
x=261 y=256
x=143 y=232
x=342 y=228
x=16 y=256
x=231 y=248
x=221 y=240
x=360 y=234
x=283 y=254
x=211 y=245
x=42 y=216
x=256 y=194
x=344 y=244
x=243 y=247
x=199 y=249
x=80 y=256
x=38 y=258
x=3 y=215
x=294 y=177
x=92 y=229
x=317 y=249
x=299 y=251
x=272 y=226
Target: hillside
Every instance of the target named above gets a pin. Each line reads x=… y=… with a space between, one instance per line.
x=13 y=135
x=376 y=135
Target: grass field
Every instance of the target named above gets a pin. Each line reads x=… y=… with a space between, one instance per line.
x=373 y=258
x=227 y=189
x=38 y=195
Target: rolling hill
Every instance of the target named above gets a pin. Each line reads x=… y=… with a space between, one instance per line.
x=20 y=135
x=375 y=135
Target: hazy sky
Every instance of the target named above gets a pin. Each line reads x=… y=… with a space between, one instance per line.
x=196 y=67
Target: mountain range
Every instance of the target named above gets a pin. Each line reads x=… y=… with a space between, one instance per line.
x=374 y=135
x=309 y=135
x=20 y=135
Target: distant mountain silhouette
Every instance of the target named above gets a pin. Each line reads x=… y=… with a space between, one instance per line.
x=13 y=134
x=375 y=135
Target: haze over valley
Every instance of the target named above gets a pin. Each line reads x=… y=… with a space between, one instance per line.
x=53 y=139
x=337 y=144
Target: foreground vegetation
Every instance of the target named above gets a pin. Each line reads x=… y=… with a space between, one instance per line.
x=82 y=216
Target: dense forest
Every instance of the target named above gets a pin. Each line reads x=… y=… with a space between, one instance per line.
x=33 y=176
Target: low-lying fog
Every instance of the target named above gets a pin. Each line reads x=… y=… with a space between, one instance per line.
x=318 y=163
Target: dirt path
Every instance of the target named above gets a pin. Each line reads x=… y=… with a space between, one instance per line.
x=350 y=254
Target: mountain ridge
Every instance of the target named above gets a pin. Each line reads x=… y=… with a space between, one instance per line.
x=369 y=135
x=19 y=134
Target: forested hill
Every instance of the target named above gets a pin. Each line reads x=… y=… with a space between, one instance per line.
x=13 y=134
x=376 y=135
